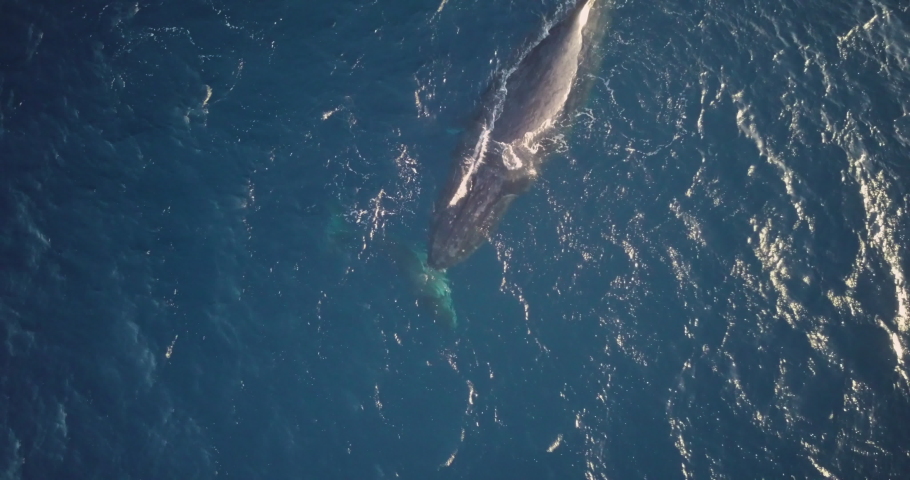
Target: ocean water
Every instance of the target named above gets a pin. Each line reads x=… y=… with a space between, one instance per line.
x=197 y=198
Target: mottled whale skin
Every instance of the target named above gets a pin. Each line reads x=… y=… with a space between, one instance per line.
x=500 y=157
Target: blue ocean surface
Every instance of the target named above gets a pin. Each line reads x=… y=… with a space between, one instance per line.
x=199 y=201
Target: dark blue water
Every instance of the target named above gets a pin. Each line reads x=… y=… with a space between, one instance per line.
x=710 y=281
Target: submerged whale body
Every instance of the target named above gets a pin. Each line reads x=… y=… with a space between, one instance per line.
x=430 y=287
x=500 y=159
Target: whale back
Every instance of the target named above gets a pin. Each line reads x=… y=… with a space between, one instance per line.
x=499 y=160
x=538 y=89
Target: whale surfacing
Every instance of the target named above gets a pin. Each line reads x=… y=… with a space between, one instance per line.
x=501 y=157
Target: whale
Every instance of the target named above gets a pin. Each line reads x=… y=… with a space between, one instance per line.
x=500 y=157
x=429 y=287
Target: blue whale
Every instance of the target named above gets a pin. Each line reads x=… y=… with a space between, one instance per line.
x=500 y=157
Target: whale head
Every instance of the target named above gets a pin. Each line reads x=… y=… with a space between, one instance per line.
x=460 y=229
x=435 y=296
x=430 y=286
